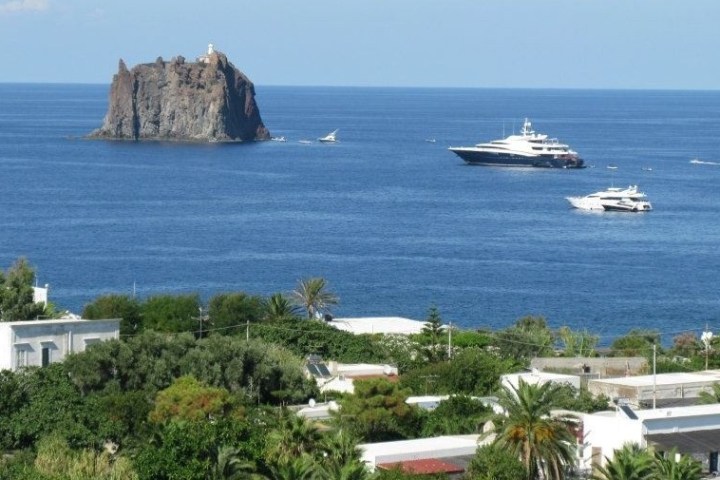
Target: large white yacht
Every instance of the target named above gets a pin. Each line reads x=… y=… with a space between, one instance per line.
x=529 y=149
x=614 y=199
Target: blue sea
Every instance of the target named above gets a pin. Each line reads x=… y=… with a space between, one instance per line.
x=396 y=224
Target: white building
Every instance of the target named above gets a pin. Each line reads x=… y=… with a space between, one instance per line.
x=453 y=449
x=666 y=389
x=691 y=430
x=385 y=325
x=536 y=377
x=41 y=342
x=339 y=377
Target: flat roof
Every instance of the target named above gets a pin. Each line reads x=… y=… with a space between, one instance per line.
x=708 y=376
x=29 y=323
x=361 y=325
x=429 y=446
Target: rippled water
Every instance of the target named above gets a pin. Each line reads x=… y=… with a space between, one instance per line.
x=394 y=223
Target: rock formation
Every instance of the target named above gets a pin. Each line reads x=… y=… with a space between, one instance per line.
x=207 y=101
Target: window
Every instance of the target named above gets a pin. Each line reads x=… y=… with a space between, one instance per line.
x=45 y=356
x=20 y=358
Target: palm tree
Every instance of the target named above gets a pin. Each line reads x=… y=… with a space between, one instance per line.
x=670 y=467
x=302 y=467
x=293 y=437
x=543 y=444
x=311 y=294
x=279 y=307
x=710 y=397
x=629 y=463
x=229 y=466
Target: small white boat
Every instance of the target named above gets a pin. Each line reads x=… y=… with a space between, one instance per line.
x=329 y=138
x=278 y=139
x=613 y=200
x=430 y=140
x=612 y=167
x=305 y=142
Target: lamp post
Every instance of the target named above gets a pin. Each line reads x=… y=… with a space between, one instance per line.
x=706 y=339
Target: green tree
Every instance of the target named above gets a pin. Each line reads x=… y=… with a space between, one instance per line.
x=171 y=313
x=529 y=337
x=433 y=329
x=544 y=444
x=570 y=398
x=636 y=342
x=457 y=415
x=493 y=463
x=670 y=467
x=278 y=307
x=229 y=312
x=629 y=463
x=577 y=343
x=187 y=399
x=472 y=371
x=312 y=295
x=16 y=293
x=123 y=307
x=293 y=436
x=378 y=412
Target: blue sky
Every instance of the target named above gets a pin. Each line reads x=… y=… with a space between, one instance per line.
x=427 y=43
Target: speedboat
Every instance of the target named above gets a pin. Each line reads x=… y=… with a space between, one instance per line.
x=529 y=149
x=278 y=139
x=613 y=200
x=329 y=138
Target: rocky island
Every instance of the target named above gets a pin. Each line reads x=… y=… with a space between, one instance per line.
x=206 y=101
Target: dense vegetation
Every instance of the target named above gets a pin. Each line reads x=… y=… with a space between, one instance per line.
x=201 y=391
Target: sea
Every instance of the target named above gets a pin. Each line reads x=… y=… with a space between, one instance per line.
x=392 y=220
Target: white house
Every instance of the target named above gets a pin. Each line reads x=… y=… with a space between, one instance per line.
x=665 y=389
x=41 y=342
x=536 y=377
x=691 y=430
x=385 y=325
x=448 y=450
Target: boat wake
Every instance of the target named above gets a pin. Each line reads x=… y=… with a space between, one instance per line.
x=697 y=161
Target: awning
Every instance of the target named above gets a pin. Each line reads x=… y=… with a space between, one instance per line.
x=698 y=441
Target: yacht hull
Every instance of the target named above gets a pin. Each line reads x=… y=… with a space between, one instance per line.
x=492 y=159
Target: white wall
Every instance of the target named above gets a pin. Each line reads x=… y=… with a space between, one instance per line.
x=60 y=337
x=609 y=432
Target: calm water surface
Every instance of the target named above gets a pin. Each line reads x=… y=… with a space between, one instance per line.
x=394 y=223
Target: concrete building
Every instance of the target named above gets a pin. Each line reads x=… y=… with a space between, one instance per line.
x=449 y=454
x=41 y=342
x=339 y=377
x=666 y=389
x=594 y=367
x=691 y=430
x=386 y=325
x=536 y=377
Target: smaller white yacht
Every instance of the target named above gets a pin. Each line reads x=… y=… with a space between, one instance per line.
x=613 y=200
x=329 y=138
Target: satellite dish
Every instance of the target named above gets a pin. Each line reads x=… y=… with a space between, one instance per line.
x=311 y=402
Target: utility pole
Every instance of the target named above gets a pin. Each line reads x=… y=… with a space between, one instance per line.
x=450 y=341
x=654 y=376
x=247 y=331
x=200 y=320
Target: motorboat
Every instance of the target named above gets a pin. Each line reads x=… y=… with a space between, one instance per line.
x=278 y=139
x=529 y=149
x=613 y=200
x=329 y=138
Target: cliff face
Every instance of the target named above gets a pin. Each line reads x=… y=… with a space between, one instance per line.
x=205 y=101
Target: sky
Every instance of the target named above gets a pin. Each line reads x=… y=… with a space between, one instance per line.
x=613 y=44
